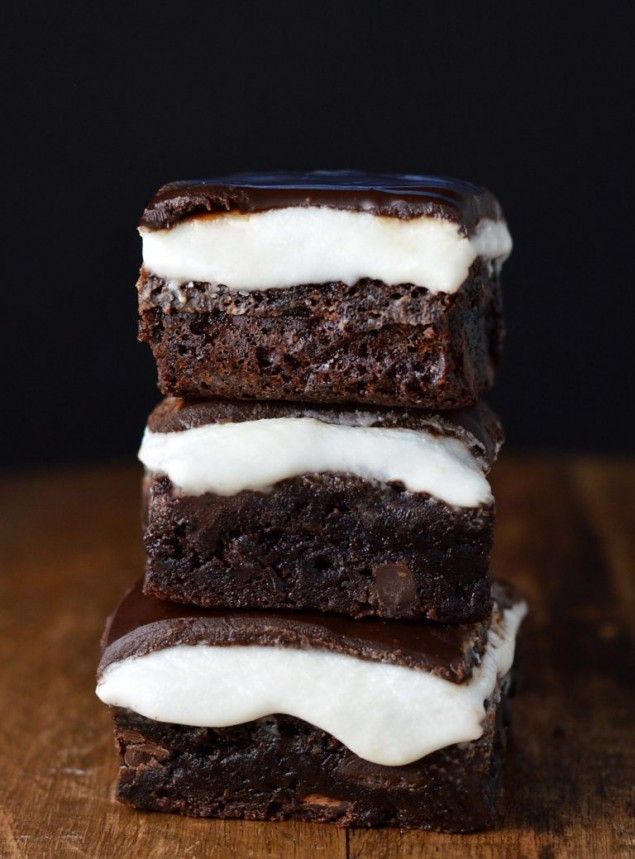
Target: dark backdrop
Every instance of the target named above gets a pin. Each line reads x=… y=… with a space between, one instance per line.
x=106 y=102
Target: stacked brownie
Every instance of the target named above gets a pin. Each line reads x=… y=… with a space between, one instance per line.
x=317 y=635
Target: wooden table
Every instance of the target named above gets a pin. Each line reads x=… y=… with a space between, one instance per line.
x=70 y=545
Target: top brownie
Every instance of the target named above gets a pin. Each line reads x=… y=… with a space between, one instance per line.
x=327 y=287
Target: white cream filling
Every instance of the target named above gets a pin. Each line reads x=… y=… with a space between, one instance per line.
x=227 y=458
x=280 y=248
x=386 y=714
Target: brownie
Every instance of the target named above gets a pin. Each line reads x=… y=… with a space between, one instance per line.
x=279 y=766
x=331 y=542
x=366 y=341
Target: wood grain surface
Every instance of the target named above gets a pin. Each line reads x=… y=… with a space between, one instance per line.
x=70 y=545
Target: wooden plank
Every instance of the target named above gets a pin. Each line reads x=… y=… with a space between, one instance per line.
x=69 y=544
x=571 y=768
x=607 y=490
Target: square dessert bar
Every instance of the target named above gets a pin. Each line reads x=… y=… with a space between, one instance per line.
x=329 y=287
x=277 y=505
x=268 y=716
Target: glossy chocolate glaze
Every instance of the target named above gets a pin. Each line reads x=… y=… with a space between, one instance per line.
x=477 y=427
x=395 y=196
x=143 y=624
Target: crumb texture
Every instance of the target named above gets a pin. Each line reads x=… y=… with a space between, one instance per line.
x=327 y=542
x=366 y=343
x=280 y=767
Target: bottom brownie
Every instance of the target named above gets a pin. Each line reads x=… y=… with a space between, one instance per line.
x=281 y=767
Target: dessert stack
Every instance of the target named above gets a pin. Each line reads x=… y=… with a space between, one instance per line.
x=317 y=635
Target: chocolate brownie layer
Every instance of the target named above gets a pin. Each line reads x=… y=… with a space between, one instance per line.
x=332 y=542
x=281 y=767
x=370 y=342
x=326 y=542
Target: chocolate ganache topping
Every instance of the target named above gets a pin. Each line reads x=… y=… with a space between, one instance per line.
x=403 y=196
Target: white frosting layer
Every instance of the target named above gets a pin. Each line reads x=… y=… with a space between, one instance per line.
x=227 y=458
x=386 y=714
x=286 y=247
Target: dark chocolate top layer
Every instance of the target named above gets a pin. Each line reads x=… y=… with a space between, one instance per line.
x=396 y=196
x=143 y=624
x=477 y=427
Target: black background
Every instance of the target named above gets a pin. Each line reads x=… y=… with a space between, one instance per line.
x=108 y=101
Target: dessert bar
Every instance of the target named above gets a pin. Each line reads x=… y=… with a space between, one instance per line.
x=265 y=715
x=278 y=505
x=327 y=287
